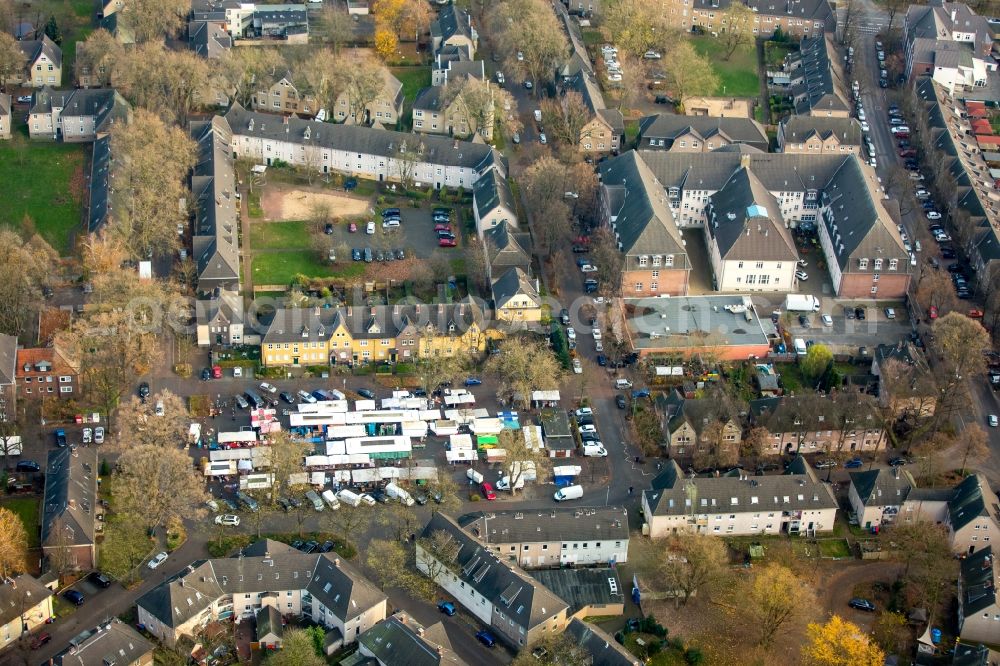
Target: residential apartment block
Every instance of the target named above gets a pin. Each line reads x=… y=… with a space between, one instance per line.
x=978 y=606
x=691 y=424
x=250 y=21
x=42 y=64
x=437 y=111
x=108 y=644
x=517 y=608
x=795 y=502
x=400 y=639
x=604 y=132
x=798 y=19
x=698 y=134
x=453 y=27
x=352 y=150
x=819 y=135
x=811 y=79
x=283 y=96
x=321 y=588
x=814 y=424
x=76 y=115
x=25 y=606
x=948 y=36
x=45 y=372
x=554 y=537
x=354 y=335
x=68 y=530
x=634 y=207
x=836 y=194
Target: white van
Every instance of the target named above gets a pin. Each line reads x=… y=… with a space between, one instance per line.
x=568 y=493
x=348 y=497
x=622 y=384
x=395 y=492
x=800 y=346
x=504 y=483
x=331 y=499
x=594 y=450
x=538 y=115
x=473 y=476
x=314 y=498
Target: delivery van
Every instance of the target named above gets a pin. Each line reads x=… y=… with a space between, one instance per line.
x=594 y=450
x=331 y=499
x=397 y=493
x=348 y=497
x=315 y=499
x=568 y=493
x=474 y=476
x=800 y=347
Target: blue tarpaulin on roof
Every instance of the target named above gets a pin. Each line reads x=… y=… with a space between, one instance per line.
x=510 y=420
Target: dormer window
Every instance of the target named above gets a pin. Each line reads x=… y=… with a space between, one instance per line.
x=643 y=260
x=878 y=264
x=863 y=264
x=656 y=260
x=893 y=264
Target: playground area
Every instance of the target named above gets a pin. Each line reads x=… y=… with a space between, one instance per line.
x=283 y=202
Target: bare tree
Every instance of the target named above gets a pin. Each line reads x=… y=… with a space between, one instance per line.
x=98 y=57
x=13 y=544
x=336 y=26
x=738 y=28
x=565 y=117
x=152 y=20
x=247 y=71
x=522 y=368
x=157 y=483
x=27 y=266
x=12 y=60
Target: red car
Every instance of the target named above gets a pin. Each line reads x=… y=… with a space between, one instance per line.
x=488 y=491
x=932 y=313
x=216 y=372
x=907 y=152
x=446 y=242
x=353 y=228
x=975 y=313
x=442 y=226
x=40 y=640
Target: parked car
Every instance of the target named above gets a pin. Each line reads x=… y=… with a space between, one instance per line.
x=890 y=313
x=365 y=393
x=486 y=638
x=27 y=466
x=473 y=381
x=801 y=275
x=854 y=463
x=88 y=435
x=270 y=388
x=74 y=597
x=488 y=491
x=446 y=242
x=861 y=604
x=620 y=401
x=40 y=640
x=446 y=607
x=99 y=435
x=229 y=519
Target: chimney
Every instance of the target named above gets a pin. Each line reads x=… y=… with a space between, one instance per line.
x=336 y=561
x=420 y=631
x=72 y=503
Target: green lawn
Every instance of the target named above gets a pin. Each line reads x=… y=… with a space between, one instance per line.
x=738 y=75
x=27 y=510
x=282 y=267
x=414 y=79
x=775 y=52
x=43 y=181
x=279 y=235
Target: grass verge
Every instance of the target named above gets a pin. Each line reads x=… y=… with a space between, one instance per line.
x=282 y=267
x=279 y=235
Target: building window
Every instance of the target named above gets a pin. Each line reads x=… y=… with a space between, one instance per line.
x=863 y=264
x=638 y=286
x=643 y=260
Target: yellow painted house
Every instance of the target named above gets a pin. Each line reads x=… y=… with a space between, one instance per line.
x=357 y=335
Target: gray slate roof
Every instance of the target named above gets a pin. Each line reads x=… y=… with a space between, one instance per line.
x=526 y=602
x=934 y=21
x=335 y=583
x=113 y=643
x=879 y=487
x=745 y=222
x=215 y=244
x=452 y=21
x=977 y=582
x=208 y=40
x=968 y=501
x=430 y=98
x=104 y=104
x=511 y=283
x=19 y=595
x=603 y=649
x=8 y=359
x=492 y=191
x=854 y=209
x=583 y=587
x=535 y=526
x=506 y=248
x=799 y=129
x=268 y=622
x=644 y=224
x=440 y=150
x=787 y=492
x=812 y=78
x=808 y=10
x=668 y=126
x=32 y=48
x=100 y=173
x=399 y=640
x=70 y=497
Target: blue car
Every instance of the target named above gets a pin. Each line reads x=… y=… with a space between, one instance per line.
x=640 y=393
x=73 y=597
x=602 y=360
x=472 y=381
x=356 y=254
x=486 y=638
x=854 y=463
x=446 y=607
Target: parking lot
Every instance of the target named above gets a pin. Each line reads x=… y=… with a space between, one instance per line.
x=415 y=235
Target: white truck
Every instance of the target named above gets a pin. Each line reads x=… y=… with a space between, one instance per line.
x=801 y=303
x=348 y=497
x=473 y=475
x=331 y=499
x=568 y=493
x=315 y=499
x=397 y=493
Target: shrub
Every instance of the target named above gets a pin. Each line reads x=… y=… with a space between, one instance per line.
x=694 y=656
x=474 y=497
x=105 y=467
x=182 y=370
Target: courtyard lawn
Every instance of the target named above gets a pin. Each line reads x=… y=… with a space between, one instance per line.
x=45 y=182
x=282 y=267
x=27 y=510
x=414 y=79
x=738 y=75
x=279 y=235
